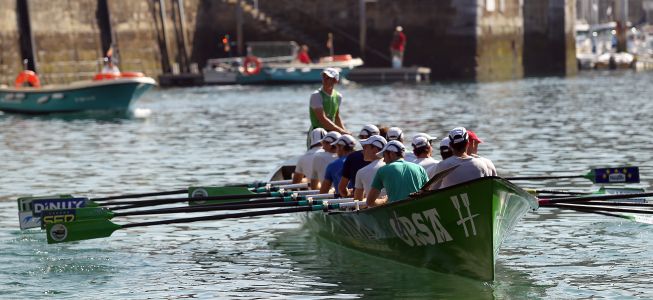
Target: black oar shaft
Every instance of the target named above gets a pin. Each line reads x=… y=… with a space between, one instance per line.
x=561 y=192
x=130 y=196
x=141 y=203
x=543 y=177
x=591 y=198
x=205 y=208
x=222 y=217
x=592 y=208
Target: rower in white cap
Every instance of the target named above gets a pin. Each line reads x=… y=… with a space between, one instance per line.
x=304 y=166
x=322 y=159
x=364 y=176
x=423 y=150
x=469 y=168
x=324 y=108
x=355 y=162
x=399 y=177
x=344 y=146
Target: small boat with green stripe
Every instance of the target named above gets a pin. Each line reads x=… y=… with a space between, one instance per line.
x=103 y=94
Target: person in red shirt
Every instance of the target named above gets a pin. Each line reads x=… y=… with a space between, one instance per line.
x=302 y=56
x=397 y=47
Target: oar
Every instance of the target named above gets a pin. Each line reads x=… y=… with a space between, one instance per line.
x=254 y=185
x=80 y=214
x=609 y=211
x=598 y=175
x=154 y=202
x=554 y=192
x=98 y=228
x=592 y=198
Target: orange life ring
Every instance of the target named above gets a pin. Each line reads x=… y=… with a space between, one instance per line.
x=131 y=74
x=27 y=76
x=247 y=68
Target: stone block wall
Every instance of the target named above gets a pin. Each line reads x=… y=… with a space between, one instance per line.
x=500 y=40
x=10 y=58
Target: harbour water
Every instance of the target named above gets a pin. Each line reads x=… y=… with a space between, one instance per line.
x=233 y=134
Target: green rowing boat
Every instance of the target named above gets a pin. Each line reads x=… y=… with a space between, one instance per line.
x=456 y=230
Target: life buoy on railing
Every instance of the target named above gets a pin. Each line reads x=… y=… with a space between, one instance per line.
x=29 y=77
x=247 y=65
x=343 y=57
x=103 y=76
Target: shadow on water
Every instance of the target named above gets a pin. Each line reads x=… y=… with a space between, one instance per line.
x=355 y=273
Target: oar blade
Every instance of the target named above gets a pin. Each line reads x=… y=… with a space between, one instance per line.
x=614 y=175
x=26 y=218
x=71 y=215
x=206 y=191
x=80 y=230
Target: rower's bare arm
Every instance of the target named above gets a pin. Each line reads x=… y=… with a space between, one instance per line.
x=325 y=122
x=340 y=124
x=297 y=177
x=358 y=194
x=342 y=187
x=371 y=197
x=315 y=184
x=325 y=187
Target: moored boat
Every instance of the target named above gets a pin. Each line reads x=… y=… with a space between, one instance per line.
x=456 y=230
x=106 y=94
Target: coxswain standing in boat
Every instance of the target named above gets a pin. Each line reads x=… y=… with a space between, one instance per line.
x=468 y=167
x=364 y=176
x=399 y=177
x=472 y=150
x=322 y=159
x=325 y=104
x=344 y=146
x=304 y=166
x=423 y=150
x=355 y=162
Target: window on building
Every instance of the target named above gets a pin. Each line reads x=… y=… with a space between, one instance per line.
x=490 y=5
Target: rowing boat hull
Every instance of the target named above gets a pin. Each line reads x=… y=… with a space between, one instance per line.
x=104 y=95
x=456 y=230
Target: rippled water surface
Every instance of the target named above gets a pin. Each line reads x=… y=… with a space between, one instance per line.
x=233 y=134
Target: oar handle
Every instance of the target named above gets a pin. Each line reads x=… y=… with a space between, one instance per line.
x=227 y=216
x=590 y=198
x=130 y=196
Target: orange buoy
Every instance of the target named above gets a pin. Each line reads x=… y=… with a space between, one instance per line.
x=343 y=57
x=247 y=65
x=28 y=77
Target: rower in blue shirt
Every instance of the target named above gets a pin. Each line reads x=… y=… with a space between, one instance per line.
x=344 y=146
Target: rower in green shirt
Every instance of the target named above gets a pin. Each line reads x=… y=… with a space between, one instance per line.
x=325 y=104
x=399 y=177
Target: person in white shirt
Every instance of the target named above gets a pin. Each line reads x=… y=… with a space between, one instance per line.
x=423 y=150
x=109 y=67
x=410 y=156
x=364 y=176
x=305 y=163
x=322 y=159
x=472 y=150
x=468 y=167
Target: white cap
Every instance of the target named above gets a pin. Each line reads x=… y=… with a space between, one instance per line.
x=345 y=140
x=332 y=72
x=399 y=28
x=331 y=137
x=458 y=135
x=317 y=135
x=420 y=141
x=395 y=133
x=392 y=146
x=375 y=140
x=369 y=130
x=425 y=135
x=445 y=142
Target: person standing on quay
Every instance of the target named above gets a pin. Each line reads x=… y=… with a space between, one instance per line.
x=397 y=47
x=324 y=107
